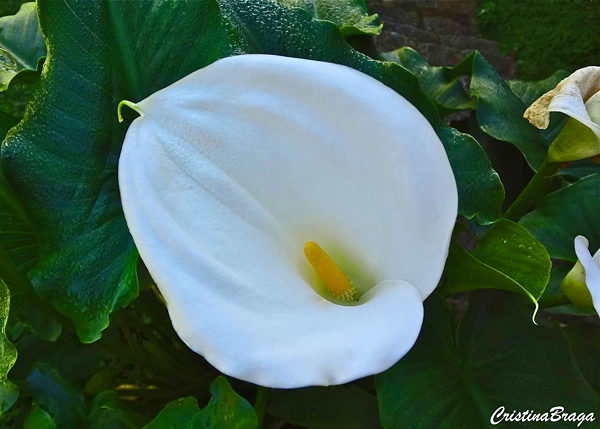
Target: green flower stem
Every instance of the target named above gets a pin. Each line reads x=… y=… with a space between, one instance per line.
x=260 y=405
x=535 y=190
x=554 y=301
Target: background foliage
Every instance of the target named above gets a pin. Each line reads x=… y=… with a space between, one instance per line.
x=95 y=345
x=545 y=35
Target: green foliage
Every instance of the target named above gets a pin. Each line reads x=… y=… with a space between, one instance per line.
x=499 y=104
x=441 y=84
x=106 y=412
x=564 y=214
x=22 y=47
x=10 y=7
x=225 y=410
x=62 y=226
x=507 y=258
x=38 y=419
x=6 y=123
x=75 y=361
x=62 y=402
x=494 y=357
x=351 y=16
x=18 y=254
x=61 y=405
x=586 y=349
x=326 y=407
x=546 y=35
x=8 y=354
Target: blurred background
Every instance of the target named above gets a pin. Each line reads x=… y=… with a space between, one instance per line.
x=525 y=39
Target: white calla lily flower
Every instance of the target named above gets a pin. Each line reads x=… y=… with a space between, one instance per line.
x=231 y=177
x=577 y=96
x=582 y=284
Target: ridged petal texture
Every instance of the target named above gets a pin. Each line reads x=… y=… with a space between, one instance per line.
x=231 y=170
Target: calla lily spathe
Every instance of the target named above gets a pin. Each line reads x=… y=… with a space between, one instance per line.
x=232 y=170
x=582 y=284
x=577 y=96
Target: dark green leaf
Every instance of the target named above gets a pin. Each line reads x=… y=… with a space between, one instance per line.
x=496 y=357
x=508 y=258
x=21 y=36
x=16 y=233
x=326 y=407
x=565 y=214
x=441 y=84
x=225 y=410
x=8 y=69
x=500 y=105
x=103 y=52
x=22 y=46
x=107 y=412
x=176 y=415
x=585 y=341
x=67 y=355
x=8 y=354
x=38 y=419
x=61 y=400
x=500 y=111
x=351 y=16
x=18 y=253
x=6 y=123
x=529 y=91
x=509 y=248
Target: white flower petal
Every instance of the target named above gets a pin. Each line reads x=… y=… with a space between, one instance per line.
x=592 y=268
x=234 y=168
x=569 y=97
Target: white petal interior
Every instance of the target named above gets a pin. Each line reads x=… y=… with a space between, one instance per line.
x=576 y=90
x=235 y=167
x=592 y=269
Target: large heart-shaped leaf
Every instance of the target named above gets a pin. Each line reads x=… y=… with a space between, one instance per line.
x=457 y=377
x=351 y=16
x=565 y=214
x=8 y=354
x=62 y=158
x=225 y=410
x=508 y=258
x=22 y=46
x=337 y=407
